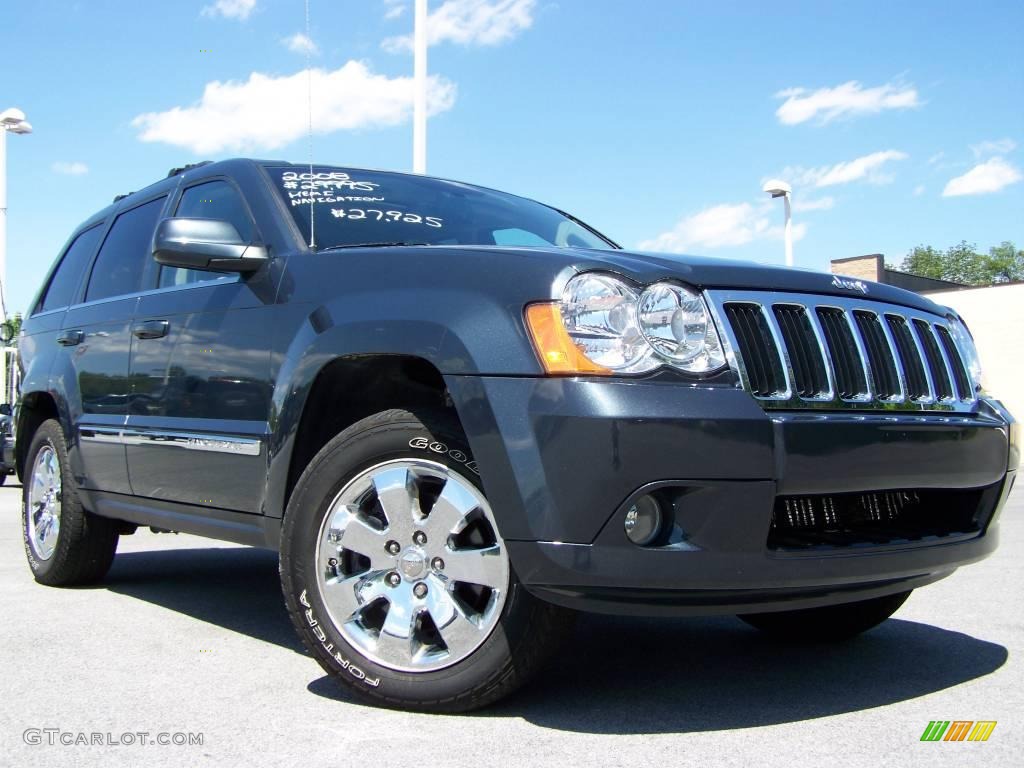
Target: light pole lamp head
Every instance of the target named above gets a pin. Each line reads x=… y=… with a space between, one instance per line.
x=23 y=127
x=777 y=188
x=11 y=116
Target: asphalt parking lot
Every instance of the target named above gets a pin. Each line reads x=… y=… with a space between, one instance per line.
x=190 y=636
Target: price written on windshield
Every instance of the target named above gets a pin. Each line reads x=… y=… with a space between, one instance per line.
x=373 y=214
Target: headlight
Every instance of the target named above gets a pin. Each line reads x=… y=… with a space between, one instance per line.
x=604 y=326
x=599 y=313
x=676 y=323
x=965 y=342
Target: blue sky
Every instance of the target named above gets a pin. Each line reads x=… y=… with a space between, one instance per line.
x=655 y=121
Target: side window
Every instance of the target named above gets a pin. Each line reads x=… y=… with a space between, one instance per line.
x=61 y=291
x=211 y=200
x=124 y=254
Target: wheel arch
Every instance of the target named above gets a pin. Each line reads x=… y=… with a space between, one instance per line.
x=348 y=388
x=34 y=409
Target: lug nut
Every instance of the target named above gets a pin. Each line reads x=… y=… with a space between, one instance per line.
x=437 y=564
x=393 y=579
x=420 y=538
x=333 y=562
x=392 y=547
x=420 y=590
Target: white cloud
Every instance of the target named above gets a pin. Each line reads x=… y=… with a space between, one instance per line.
x=395 y=9
x=998 y=147
x=919 y=190
x=846 y=100
x=230 y=9
x=821 y=204
x=471 y=22
x=299 y=43
x=721 y=226
x=936 y=158
x=267 y=112
x=984 y=178
x=869 y=168
x=70 y=169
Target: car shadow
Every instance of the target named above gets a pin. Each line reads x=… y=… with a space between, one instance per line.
x=237 y=589
x=616 y=675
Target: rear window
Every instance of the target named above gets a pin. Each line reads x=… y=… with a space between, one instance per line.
x=68 y=276
x=122 y=259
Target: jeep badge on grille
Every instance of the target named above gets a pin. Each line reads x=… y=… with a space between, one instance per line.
x=849 y=285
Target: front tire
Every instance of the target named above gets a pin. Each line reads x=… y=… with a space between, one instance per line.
x=396 y=576
x=830 y=623
x=64 y=543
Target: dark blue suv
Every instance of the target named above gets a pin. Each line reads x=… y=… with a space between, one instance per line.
x=461 y=415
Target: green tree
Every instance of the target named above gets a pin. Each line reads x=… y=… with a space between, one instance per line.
x=10 y=329
x=962 y=263
x=1005 y=263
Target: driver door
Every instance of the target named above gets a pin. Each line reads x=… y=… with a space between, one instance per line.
x=200 y=375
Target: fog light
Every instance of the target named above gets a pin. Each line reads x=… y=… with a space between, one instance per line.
x=643 y=521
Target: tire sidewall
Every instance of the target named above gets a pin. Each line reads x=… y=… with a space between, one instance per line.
x=353 y=451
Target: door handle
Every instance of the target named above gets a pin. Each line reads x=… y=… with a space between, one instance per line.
x=151 y=329
x=71 y=338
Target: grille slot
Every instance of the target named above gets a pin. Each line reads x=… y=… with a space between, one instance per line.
x=937 y=366
x=961 y=379
x=765 y=375
x=918 y=387
x=810 y=378
x=794 y=350
x=847 y=367
x=884 y=377
x=879 y=518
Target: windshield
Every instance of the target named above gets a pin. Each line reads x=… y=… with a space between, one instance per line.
x=353 y=207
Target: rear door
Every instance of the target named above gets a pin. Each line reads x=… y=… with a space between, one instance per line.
x=97 y=337
x=200 y=373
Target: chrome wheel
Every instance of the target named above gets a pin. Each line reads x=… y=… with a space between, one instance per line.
x=410 y=565
x=44 y=503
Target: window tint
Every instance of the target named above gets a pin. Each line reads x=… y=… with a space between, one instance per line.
x=118 y=269
x=66 y=279
x=517 y=237
x=212 y=200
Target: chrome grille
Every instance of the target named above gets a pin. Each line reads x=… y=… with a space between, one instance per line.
x=799 y=351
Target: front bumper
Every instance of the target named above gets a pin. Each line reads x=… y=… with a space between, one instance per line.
x=559 y=457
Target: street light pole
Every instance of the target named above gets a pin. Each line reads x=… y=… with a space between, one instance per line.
x=419 y=118
x=777 y=188
x=13 y=121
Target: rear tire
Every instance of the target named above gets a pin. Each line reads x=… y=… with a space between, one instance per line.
x=830 y=623
x=383 y=536
x=64 y=543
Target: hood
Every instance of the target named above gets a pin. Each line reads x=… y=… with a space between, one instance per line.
x=705 y=272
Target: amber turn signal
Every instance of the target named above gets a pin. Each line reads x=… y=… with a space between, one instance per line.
x=556 y=349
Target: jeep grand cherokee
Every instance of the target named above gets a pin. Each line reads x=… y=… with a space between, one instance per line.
x=461 y=415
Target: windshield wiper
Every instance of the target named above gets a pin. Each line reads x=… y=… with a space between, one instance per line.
x=386 y=244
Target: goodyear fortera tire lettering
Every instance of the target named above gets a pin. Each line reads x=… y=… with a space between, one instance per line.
x=389 y=564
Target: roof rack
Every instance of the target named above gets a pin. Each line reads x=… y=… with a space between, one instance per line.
x=189 y=167
x=119 y=198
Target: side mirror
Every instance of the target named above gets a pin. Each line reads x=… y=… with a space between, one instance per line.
x=5 y=409
x=208 y=244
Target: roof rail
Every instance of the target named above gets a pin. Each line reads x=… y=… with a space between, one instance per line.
x=189 y=167
x=119 y=198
